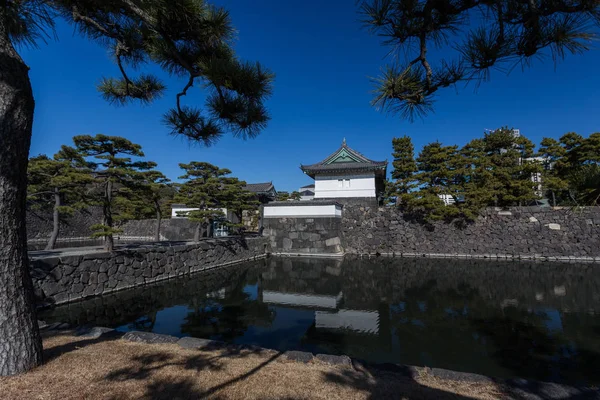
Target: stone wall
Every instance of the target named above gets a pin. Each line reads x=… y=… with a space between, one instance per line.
x=170 y=229
x=75 y=229
x=521 y=233
x=63 y=279
x=303 y=235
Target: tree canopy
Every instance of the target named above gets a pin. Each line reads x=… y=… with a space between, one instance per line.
x=116 y=179
x=476 y=36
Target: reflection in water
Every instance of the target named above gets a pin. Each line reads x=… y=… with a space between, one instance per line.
x=501 y=319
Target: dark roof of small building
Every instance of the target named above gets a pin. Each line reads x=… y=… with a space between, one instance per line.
x=344 y=159
x=259 y=187
x=311 y=186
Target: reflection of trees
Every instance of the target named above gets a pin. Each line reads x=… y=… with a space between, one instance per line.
x=458 y=329
x=144 y=323
x=227 y=318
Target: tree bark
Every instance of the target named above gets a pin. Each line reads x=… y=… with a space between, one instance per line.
x=553 y=199
x=109 y=242
x=55 y=221
x=20 y=343
x=158 y=221
x=197 y=232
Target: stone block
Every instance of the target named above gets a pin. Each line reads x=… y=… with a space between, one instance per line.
x=196 y=343
x=554 y=227
x=149 y=337
x=333 y=241
x=95 y=332
x=335 y=360
x=301 y=356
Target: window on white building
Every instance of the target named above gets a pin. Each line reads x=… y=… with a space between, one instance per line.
x=340 y=183
x=347 y=183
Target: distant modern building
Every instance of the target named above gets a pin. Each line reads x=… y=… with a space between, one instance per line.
x=347 y=174
x=307 y=192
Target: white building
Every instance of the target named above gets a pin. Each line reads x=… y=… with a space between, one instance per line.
x=307 y=192
x=347 y=174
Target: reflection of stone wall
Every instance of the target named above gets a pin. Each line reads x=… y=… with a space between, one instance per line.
x=143 y=302
x=64 y=279
x=304 y=235
x=517 y=233
x=564 y=286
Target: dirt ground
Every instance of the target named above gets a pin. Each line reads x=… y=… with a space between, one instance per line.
x=79 y=368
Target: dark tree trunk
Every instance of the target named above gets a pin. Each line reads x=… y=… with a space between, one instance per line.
x=20 y=343
x=109 y=242
x=197 y=232
x=55 y=221
x=553 y=199
x=158 y=220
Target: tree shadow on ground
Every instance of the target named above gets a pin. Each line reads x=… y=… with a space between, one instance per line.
x=56 y=351
x=548 y=361
x=147 y=368
x=388 y=381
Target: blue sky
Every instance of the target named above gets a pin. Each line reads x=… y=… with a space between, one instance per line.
x=322 y=59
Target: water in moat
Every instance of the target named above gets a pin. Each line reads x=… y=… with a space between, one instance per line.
x=502 y=319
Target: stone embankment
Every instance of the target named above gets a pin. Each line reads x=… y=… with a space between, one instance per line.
x=61 y=277
x=521 y=233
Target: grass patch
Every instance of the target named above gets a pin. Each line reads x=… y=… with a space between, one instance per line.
x=77 y=368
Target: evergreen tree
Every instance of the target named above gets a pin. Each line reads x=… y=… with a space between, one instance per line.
x=116 y=179
x=474 y=183
x=235 y=198
x=553 y=179
x=295 y=195
x=152 y=197
x=201 y=190
x=580 y=166
x=404 y=169
x=476 y=37
x=510 y=180
x=58 y=184
x=436 y=165
x=188 y=39
x=283 y=196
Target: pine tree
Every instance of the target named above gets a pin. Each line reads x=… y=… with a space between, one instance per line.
x=235 y=198
x=115 y=179
x=295 y=195
x=476 y=37
x=152 y=196
x=404 y=170
x=553 y=174
x=436 y=176
x=283 y=196
x=201 y=190
x=58 y=184
x=189 y=39
x=511 y=173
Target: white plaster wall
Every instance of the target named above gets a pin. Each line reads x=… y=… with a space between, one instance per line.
x=352 y=186
x=181 y=212
x=303 y=211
